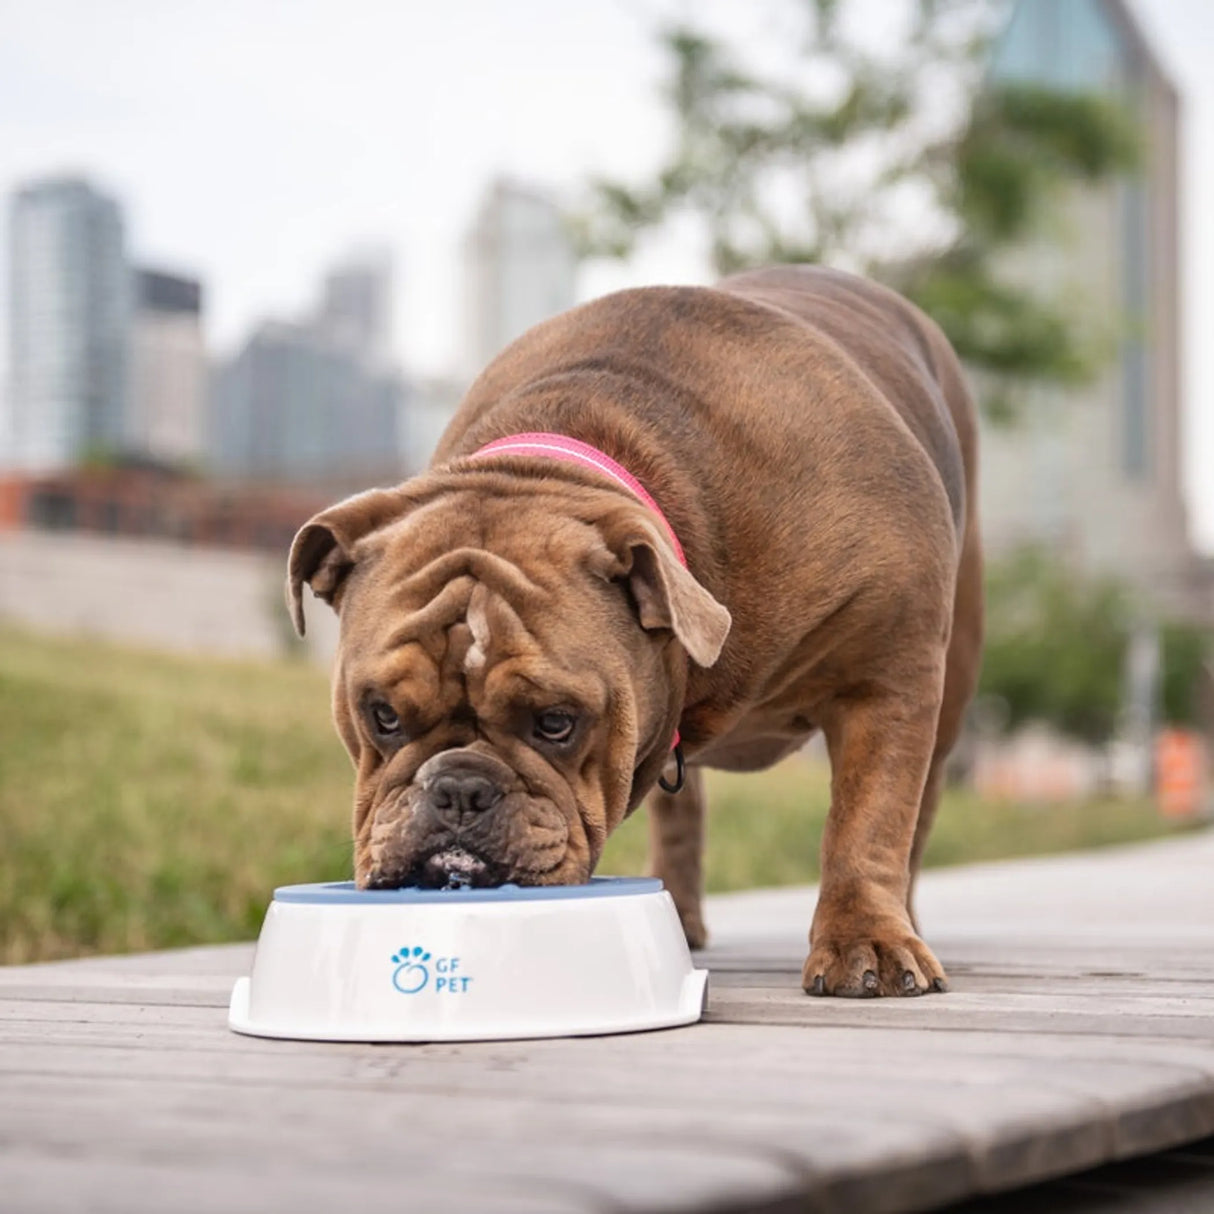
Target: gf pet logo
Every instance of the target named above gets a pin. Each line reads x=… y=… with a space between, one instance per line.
x=412 y=973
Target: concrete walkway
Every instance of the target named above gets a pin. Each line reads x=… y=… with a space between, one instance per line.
x=1080 y=1030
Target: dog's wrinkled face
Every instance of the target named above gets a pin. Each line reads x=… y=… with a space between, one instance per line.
x=508 y=678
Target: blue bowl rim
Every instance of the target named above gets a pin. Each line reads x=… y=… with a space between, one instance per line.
x=344 y=893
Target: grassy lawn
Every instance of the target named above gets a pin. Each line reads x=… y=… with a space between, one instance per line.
x=149 y=801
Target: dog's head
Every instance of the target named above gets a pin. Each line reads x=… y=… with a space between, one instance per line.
x=510 y=670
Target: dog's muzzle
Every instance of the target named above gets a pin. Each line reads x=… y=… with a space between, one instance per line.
x=457 y=798
x=461 y=805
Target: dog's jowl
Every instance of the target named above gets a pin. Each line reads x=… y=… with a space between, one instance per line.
x=676 y=525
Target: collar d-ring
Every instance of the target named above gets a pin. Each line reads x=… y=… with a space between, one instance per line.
x=680 y=772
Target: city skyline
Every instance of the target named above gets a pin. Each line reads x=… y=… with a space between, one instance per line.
x=250 y=177
x=316 y=395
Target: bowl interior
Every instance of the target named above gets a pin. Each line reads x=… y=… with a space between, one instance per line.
x=345 y=892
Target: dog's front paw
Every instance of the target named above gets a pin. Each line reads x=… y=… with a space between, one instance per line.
x=691 y=916
x=693 y=927
x=866 y=963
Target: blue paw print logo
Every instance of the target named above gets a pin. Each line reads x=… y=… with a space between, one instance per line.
x=411 y=973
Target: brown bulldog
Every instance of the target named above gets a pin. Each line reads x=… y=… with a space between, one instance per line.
x=522 y=642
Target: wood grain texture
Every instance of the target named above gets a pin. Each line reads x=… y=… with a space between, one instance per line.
x=1080 y=1030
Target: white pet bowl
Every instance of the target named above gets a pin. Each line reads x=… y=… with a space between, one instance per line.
x=338 y=964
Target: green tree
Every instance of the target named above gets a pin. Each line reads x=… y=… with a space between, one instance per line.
x=1056 y=649
x=1185 y=650
x=1056 y=645
x=906 y=163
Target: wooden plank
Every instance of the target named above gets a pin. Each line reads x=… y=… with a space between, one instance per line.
x=1145 y=1015
x=1171 y=1182
x=37 y=1015
x=207 y=1125
x=250 y=1128
x=159 y=968
x=655 y=1149
x=116 y=995
x=778 y=1054
x=42 y=1184
x=977 y=1101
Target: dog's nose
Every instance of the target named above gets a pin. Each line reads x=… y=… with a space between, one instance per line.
x=463 y=792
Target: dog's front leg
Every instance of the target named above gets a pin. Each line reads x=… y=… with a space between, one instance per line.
x=676 y=850
x=862 y=941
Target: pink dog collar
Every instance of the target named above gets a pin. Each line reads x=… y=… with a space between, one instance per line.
x=574 y=451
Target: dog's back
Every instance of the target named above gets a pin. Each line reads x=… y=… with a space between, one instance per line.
x=900 y=349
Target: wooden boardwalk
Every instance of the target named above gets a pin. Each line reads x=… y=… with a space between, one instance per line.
x=1080 y=1029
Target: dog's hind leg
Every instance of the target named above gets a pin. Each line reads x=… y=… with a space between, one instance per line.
x=960 y=679
x=928 y=804
x=676 y=850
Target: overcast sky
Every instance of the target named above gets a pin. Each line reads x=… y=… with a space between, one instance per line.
x=253 y=142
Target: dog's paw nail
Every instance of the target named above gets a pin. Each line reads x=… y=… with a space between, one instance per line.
x=939 y=985
x=908 y=981
x=819 y=986
x=869 y=982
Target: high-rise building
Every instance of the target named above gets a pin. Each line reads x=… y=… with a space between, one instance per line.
x=356 y=305
x=1095 y=472
x=316 y=400
x=166 y=418
x=295 y=405
x=69 y=299
x=519 y=269
x=430 y=404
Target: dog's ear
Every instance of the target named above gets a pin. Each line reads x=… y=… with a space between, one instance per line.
x=663 y=591
x=322 y=553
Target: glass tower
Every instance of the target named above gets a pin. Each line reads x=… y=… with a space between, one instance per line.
x=1093 y=470
x=1083 y=46
x=69 y=296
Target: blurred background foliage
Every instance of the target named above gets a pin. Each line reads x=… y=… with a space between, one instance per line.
x=1057 y=645
x=824 y=161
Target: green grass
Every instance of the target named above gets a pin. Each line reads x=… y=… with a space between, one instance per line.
x=149 y=801
x=765 y=829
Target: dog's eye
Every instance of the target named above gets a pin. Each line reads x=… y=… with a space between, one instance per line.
x=384 y=718
x=555 y=725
